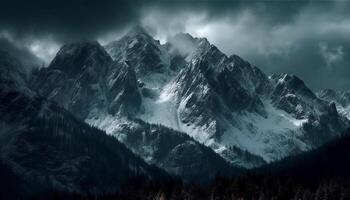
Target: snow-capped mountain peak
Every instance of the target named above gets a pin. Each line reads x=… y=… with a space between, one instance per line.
x=191 y=86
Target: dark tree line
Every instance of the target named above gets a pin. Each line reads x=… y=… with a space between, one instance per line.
x=246 y=187
x=322 y=174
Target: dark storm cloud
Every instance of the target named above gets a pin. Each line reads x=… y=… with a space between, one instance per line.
x=42 y=26
x=307 y=38
x=85 y=19
x=66 y=19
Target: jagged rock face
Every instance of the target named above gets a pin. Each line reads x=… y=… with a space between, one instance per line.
x=118 y=91
x=198 y=101
x=257 y=106
x=123 y=93
x=206 y=95
x=141 y=51
x=323 y=121
x=213 y=86
x=332 y=95
x=83 y=78
x=226 y=102
x=291 y=95
x=222 y=101
x=230 y=77
x=250 y=77
x=340 y=98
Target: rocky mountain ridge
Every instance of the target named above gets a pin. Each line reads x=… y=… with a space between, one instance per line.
x=190 y=86
x=340 y=98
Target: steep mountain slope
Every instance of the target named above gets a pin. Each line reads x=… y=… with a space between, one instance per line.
x=147 y=57
x=106 y=94
x=225 y=102
x=158 y=106
x=49 y=149
x=84 y=79
x=141 y=51
x=341 y=100
x=221 y=101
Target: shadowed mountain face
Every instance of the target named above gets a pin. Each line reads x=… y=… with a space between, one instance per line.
x=190 y=86
x=48 y=149
x=107 y=93
x=340 y=98
x=140 y=51
x=83 y=78
x=12 y=73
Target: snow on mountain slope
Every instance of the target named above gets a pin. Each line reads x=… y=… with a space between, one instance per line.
x=271 y=135
x=169 y=149
x=190 y=86
x=151 y=62
x=344 y=111
x=109 y=95
x=341 y=99
x=166 y=148
x=224 y=101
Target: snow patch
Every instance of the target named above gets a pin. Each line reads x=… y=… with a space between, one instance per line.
x=271 y=138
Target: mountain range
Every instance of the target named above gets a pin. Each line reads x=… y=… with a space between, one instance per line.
x=98 y=116
x=190 y=86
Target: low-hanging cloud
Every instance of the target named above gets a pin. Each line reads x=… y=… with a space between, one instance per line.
x=331 y=55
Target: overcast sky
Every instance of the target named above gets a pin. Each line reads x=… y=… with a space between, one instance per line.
x=310 y=39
